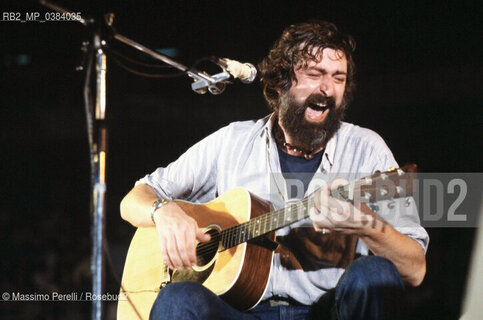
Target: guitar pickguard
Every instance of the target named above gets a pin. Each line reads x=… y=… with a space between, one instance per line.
x=192 y=275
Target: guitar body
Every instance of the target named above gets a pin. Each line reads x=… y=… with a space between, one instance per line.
x=236 y=263
x=239 y=275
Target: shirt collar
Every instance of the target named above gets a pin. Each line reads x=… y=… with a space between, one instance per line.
x=267 y=128
x=330 y=149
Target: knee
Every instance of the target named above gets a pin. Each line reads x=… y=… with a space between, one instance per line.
x=179 y=298
x=372 y=271
x=370 y=288
x=176 y=291
x=180 y=292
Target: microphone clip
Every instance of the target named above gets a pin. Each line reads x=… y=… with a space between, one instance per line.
x=216 y=87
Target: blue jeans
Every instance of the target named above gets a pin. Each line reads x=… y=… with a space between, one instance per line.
x=370 y=288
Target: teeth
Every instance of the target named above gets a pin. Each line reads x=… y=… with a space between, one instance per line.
x=321 y=105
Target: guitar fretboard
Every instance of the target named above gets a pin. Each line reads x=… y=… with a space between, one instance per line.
x=264 y=224
x=386 y=185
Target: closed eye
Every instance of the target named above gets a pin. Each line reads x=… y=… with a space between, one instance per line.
x=313 y=75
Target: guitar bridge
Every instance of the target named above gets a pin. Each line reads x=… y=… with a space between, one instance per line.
x=165 y=277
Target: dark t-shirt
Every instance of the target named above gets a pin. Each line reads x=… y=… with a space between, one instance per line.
x=298 y=168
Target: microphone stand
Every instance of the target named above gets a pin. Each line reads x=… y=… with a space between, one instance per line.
x=97 y=136
x=97 y=129
x=202 y=81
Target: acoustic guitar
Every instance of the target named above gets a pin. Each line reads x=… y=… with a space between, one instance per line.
x=236 y=263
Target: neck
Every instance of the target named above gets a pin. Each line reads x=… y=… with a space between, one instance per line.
x=288 y=145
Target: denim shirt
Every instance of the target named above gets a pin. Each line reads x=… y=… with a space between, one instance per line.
x=244 y=154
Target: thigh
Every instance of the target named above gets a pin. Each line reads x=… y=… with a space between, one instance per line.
x=289 y=312
x=371 y=288
x=190 y=300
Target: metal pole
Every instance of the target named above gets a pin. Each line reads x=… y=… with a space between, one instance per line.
x=191 y=72
x=99 y=190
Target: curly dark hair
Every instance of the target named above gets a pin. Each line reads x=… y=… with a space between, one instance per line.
x=296 y=45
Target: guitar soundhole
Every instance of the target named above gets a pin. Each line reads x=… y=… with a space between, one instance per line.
x=206 y=251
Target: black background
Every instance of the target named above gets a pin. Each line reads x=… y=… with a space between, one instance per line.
x=418 y=67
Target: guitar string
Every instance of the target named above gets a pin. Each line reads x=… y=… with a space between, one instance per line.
x=214 y=243
x=265 y=218
x=204 y=248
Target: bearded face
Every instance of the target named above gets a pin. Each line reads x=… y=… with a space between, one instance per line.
x=310 y=111
x=306 y=134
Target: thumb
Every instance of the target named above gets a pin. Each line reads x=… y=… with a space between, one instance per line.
x=202 y=237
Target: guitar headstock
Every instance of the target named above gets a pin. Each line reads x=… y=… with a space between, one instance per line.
x=394 y=183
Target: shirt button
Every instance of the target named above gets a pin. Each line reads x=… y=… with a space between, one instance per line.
x=391 y=205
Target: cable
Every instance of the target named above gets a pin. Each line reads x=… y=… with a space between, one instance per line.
x=144 y=74
x=114 y=273
x=149 y=65
x=151 y=75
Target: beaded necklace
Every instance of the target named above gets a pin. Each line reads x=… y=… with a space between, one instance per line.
x=280 y=139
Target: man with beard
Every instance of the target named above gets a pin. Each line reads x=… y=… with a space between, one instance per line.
x=346 y=261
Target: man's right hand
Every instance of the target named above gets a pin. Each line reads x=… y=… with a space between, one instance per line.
x=178 y=234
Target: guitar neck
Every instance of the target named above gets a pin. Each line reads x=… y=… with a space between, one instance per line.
x=265 y=223
x=386 y=185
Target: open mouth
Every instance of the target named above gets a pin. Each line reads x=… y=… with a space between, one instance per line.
x=319 y=106
x=316 y=111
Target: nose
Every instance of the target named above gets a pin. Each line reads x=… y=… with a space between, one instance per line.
x=326 y=86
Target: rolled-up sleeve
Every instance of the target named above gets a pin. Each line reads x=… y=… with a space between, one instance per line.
x=193 y=175
x=402 y=215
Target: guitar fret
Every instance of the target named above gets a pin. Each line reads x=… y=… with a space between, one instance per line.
x=287 y=213
x=225 y=238
x=243 y=234
x=262 y=225
x=222 y=236
x=277 y=219
x=255 y=225
x=255 y=228
x=250 y=229
x=232 y=237
x=265 y=221
x=269 y=220
x=240 y=234
x=228 y=238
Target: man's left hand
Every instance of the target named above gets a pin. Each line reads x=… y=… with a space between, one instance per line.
x=337 y=215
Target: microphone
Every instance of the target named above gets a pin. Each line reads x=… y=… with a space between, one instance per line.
x=246 y=72
x=216 y=84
